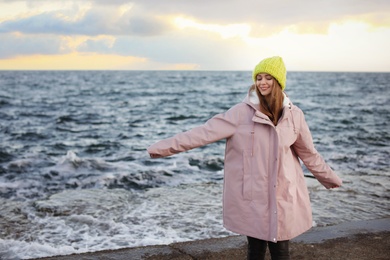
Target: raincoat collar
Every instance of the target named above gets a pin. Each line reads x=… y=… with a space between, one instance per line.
x=253 y=100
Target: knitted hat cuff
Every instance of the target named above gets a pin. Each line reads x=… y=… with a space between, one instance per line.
x=273 y=66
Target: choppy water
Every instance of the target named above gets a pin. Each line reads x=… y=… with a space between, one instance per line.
x=75 y=176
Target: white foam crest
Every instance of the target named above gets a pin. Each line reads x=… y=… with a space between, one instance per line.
x=196 y=215
x=190 y=174
x=13 y=249
x=92 y=220
x=20 y=164
x=21 y=188
x=71 y=161
x=99 y=173
x=4 y=185
x=83 y=233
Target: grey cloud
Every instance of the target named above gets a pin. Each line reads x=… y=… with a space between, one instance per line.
x=142 y=26
x=37 y=24
x=12 y=45
x=242 y=10
x=142 y=19
x=104 y=2
x=269 y=13
x=173 y=49
x=97 y=21
x=98 y=46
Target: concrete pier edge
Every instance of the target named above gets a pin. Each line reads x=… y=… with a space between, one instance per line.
x=234 y=247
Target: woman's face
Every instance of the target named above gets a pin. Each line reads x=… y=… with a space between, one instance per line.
x=264 y=83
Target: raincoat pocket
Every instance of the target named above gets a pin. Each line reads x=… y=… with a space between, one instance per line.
x=247 y=175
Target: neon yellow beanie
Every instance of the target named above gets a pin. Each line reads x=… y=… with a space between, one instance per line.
x=273 y=66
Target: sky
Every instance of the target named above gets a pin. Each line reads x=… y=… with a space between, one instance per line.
x=310 y=35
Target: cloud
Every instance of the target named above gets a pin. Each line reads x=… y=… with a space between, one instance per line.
x=94 y=21
x=16 y=45
x=185 y=47
x=149 y=17
x=201 y=34
x=274 y=14
x=96 y=45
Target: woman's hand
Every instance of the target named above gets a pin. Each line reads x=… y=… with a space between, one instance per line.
x=154 y=155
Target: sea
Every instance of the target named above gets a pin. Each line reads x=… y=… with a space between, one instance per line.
x=75 y=175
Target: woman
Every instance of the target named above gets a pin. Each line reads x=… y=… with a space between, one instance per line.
x=265 y=195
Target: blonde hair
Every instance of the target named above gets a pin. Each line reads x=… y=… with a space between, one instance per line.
x=272 y=104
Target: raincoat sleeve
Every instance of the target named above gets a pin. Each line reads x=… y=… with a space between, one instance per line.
x=219 y=127
x=304 y=147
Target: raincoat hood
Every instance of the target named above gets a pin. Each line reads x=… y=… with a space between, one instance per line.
x=253 y=100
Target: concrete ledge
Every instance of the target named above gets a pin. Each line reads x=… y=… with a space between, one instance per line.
x=346 y=229
x=215 y=248
x=352 y=240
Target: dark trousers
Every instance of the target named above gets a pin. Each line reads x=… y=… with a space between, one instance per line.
x=258 y=247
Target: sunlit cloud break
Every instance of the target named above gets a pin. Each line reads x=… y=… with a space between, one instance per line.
x=226 y=31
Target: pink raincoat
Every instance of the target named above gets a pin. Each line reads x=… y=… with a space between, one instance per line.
x=265 y=194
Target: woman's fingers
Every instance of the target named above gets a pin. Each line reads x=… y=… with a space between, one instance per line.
x=154 y=155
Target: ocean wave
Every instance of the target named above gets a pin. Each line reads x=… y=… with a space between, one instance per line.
x=75 y=174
